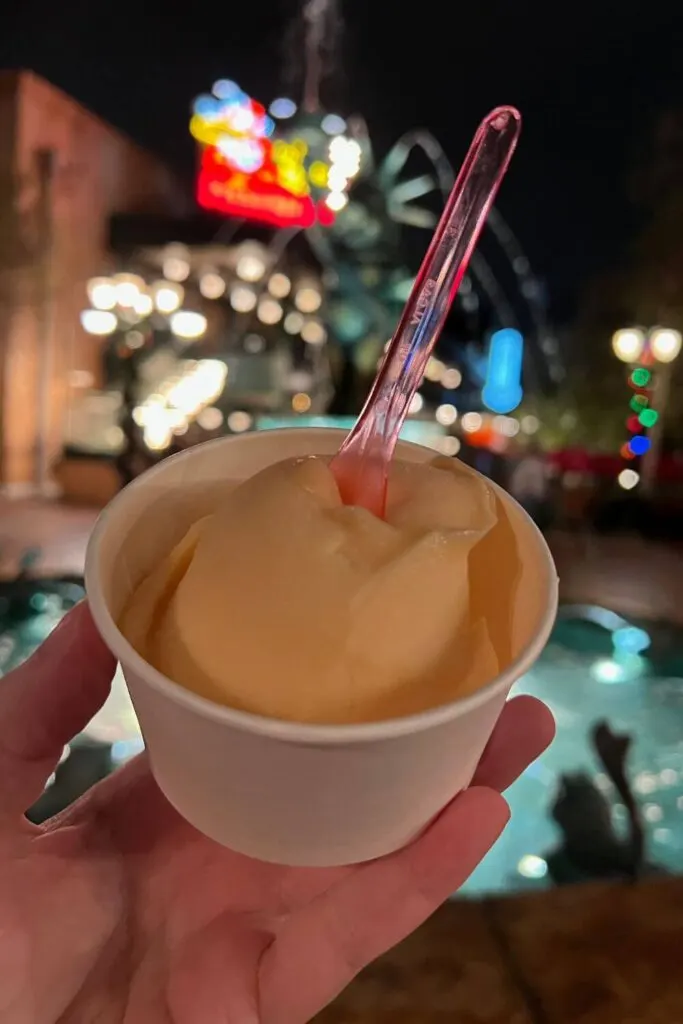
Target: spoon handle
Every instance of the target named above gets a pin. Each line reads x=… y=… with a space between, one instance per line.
x=361 y=465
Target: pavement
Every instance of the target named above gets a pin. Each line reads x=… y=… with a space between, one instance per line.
x=60 y=531
x=589 y=954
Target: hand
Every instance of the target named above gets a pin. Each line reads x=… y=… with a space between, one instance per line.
x=118 y=912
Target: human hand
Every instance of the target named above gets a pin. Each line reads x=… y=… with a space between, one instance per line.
x=119 y=912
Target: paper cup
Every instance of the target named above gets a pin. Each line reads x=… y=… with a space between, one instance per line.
x=278 y=791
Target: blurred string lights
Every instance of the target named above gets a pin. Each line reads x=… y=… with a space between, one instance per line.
x=184 y=396
x=658 y=349
x=292 y=305
x=260 y=293
x=288 y=305
x=252 y=166
x=126 y=303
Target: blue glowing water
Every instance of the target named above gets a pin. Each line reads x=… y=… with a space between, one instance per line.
x=584 y=677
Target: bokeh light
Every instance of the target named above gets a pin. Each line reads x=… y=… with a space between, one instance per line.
x=641 y=377
x=98 y=322
x=648 y=417
x=628 y=479
x=628 y=344
x=187 y=324
x=639 y=445
x=665 y=344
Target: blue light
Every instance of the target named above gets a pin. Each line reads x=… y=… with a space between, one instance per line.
x=639 y=444
x=333 y=124
x=283 y=107
x=226 y=90
x=502 y=391
x=630 y=640
x=205 y=106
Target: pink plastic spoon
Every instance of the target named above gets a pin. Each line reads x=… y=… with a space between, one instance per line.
x=362 y=464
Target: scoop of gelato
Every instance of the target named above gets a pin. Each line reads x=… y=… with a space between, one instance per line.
x=289 y=604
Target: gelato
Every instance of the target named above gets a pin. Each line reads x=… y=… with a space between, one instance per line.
x=286 y=603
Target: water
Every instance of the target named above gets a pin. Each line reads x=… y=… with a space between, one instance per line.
x=583 y=682
x=596 y=667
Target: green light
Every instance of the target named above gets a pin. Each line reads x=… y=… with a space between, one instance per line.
x=641 y=377
x=638 y=403
x=648 y=417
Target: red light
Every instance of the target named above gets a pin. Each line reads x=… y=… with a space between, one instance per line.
x=482 y=438
x=626 y=452
x=634 y=424
x=255 y=194
x=325 y=215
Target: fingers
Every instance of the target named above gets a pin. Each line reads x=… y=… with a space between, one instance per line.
x=525 y=728
x=45 y=702
x=322 y=947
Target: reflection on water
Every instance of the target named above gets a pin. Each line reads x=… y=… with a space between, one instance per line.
x=597 y=667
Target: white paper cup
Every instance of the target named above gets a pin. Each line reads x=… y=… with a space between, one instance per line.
x=278 y=791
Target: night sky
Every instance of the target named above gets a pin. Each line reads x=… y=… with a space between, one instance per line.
x=589 y=78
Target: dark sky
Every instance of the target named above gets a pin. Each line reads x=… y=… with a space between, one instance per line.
x=589 y=78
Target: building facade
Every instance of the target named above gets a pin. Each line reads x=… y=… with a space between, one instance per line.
x=63 y=174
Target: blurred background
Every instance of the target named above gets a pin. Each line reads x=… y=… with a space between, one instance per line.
x=209 y=223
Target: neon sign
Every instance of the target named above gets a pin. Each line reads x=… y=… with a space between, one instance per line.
x=246 y=171
x=256 y=196
x=502 y=391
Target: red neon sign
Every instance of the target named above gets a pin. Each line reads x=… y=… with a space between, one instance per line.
x=245 y=173
x=254 y=196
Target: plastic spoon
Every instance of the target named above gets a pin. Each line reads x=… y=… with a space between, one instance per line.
x=362 y=464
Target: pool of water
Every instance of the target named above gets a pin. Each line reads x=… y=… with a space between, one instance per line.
x=595 y=667
x=584 y=680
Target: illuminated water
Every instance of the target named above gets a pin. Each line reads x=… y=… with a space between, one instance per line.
x=595 y=667
x=580 y=678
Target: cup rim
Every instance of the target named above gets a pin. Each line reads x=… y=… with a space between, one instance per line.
x=278 y=729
